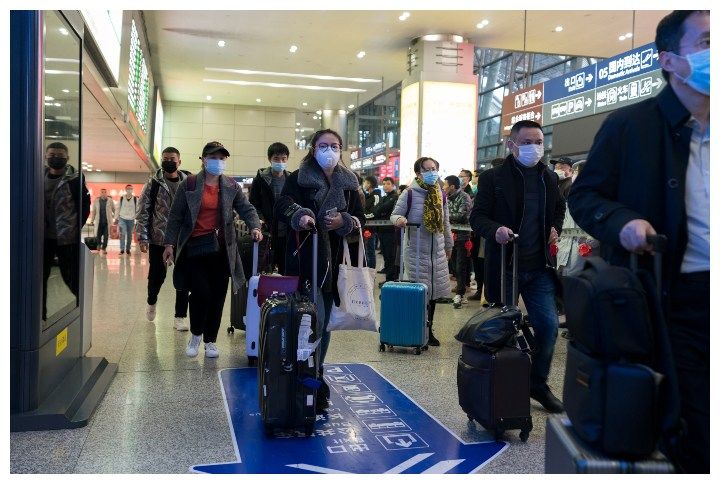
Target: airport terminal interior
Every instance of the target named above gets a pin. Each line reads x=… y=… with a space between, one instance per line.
x=97 y=387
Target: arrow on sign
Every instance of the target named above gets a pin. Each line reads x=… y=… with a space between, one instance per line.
x=538 y=116
x=588 y=102
x=538 y=93
x=589 y=78
x=341 y=442
x=659 y=83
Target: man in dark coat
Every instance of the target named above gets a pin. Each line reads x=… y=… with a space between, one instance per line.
x=648 y=172
x=521 y=197
x=382 y=211
x=264 y=192
x=563 y=169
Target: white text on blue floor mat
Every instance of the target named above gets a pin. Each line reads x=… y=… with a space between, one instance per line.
x=371 y=427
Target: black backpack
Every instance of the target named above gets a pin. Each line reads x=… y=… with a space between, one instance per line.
x=620 y=390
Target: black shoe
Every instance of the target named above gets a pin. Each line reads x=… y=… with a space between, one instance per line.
x=547 y=400
x=432 y=340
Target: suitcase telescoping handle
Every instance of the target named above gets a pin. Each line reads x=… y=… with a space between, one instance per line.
x=503 y=277
x=659 y=245
x=256 y=247
x=403 y=240
x=314 y=289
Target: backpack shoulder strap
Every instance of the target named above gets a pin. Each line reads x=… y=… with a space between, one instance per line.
x=409 y=202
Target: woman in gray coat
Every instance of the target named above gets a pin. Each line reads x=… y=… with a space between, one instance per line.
x=423 y=203
x=200 y=226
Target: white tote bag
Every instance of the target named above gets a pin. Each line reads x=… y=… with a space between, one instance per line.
x=355 y=286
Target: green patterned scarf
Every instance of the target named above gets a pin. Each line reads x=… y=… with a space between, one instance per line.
x=432 y=208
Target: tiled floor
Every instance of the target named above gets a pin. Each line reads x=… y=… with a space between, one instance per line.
x=164 y=411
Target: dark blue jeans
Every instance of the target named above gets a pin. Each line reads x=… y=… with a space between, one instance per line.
x=537 y=289
x=370 y=248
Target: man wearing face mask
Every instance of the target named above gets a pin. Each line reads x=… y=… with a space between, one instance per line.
x=151 y=222
x=648 y=172
x=65 y=196
x=521 y=196
x=563 y=169
x=265 y=191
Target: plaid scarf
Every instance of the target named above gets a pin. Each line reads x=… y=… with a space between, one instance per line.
x=432 y=208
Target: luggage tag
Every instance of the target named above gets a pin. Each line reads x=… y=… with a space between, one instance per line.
x=305 y=347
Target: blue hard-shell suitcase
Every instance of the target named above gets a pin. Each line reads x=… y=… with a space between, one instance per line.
x=403 y=310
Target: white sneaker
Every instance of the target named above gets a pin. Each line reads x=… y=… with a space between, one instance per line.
x=465 y=300
x=150 y=312
x=211 y=350
x=457 y=301
x=181 y=324
x=193 y=345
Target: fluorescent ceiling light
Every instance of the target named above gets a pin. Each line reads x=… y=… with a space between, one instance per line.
x=55 y=71
x=304 y=104
x=297 y=130
x=98 y=169
x=361 y=54
x=293 y=48
x=314 y=117
x=559 y=28
x=221 y=43
x=208 y=98
x=622 y=37
x=57 y=105
x=66 y=90
x=318 y=112
x=64 y=31
x=483 y=24
x=285 y=86
x=258 y=100
x=628 y=35
x=49 y=98
x=62 y=59
x=351 y=106
x=297 y=124
x=404 y=16
x=290 y=74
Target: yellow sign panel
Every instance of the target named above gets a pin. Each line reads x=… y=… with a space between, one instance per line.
x=61 y=342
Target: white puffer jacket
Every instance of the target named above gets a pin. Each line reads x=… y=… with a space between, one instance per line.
x=433 y=269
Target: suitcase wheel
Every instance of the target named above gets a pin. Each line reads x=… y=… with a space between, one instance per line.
x=382 y=348
x=231 y=330
x=418 y=350
x=524 y=434
x=424 y=348
x=252 y=360
x=390 y=347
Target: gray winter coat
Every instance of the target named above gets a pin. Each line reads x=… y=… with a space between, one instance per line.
x=155 y=234
x=184 y=213
x=433 y=270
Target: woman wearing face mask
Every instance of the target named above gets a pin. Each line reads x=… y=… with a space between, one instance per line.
x=200 y=226
x=325 y=194
x=423 y=203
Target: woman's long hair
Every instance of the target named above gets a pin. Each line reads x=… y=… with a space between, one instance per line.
x=310 y=156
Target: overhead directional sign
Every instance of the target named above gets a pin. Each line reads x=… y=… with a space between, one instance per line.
x=610 y=84
x=371 y=427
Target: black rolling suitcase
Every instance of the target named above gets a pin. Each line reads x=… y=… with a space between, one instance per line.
x=92 y=243
x=494 y=386
x=566 y=453
x=288 y=363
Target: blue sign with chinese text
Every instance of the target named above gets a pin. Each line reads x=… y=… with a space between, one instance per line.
x=570 y=84
x=628 y=64
x=370 y=427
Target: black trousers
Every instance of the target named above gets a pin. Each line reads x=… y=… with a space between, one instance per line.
x=156 y=278
x=387 y=242
x=478 y=262
x=208 y=287
x=68 y=263
x=278 y=245
x=689 y=327
x=462 y=264
x=102 y=235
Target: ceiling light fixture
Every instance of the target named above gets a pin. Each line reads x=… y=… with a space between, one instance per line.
x=361 y=54
x=64 y=31
x=221 y=43
x=297 y=130
x=258 y=100
x=57 y=105
x=66 y=91
x=314 y=117
x=559 y=28
x=285 y=86
x=622 y=37
x=404 y=16
x=49 y=98
x=628 y=35
x=318 y=112
x=98 y=169
x=297 y=124
x=304 y=104
x=290 y=74
x=351 y=106
x=293 y=48
x=208 y=98
x=483 y=24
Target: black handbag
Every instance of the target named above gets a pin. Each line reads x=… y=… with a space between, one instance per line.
x=492 y=329
x=203 y=245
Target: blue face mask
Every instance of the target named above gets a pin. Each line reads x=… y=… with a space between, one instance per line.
x=215 y=166
x=699 y=77
x=278 y=167
x=430 y=177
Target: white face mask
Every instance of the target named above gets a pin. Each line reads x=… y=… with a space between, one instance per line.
x=529 y=155
x=560 y=174
x=328 y=158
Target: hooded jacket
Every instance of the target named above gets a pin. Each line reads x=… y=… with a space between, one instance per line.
x=66 y=204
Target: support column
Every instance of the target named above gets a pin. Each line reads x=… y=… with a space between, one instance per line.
x=335 y=119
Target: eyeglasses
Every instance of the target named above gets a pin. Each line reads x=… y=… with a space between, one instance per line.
x=426 y=170
x=324 y=147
